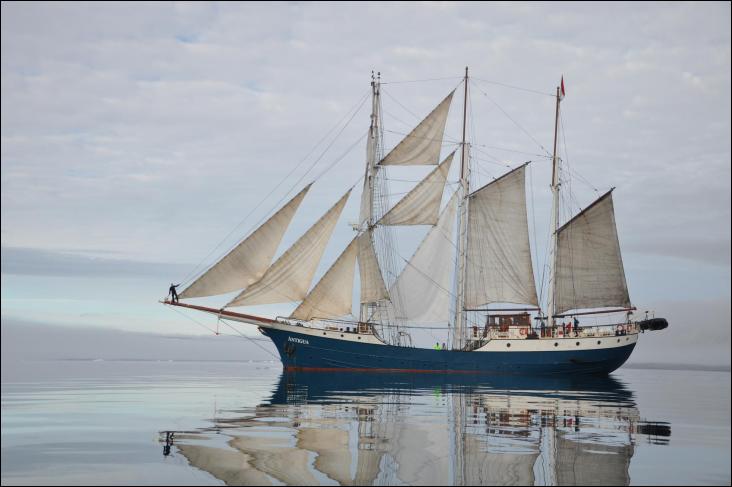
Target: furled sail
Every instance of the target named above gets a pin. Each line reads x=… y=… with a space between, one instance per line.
x=289 y=278
x=422 y=145
x=589 y=269
x=421 y=206
x=248 y=261
x=421 y=293
x=372 y=282
x=499 y=268
x=332 y=296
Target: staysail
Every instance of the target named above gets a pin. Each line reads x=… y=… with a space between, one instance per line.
x=248 y=261
x=421 y=206
x=423 y=144
x=589 y=268
x=499 y=268
x=372 y=281
x=421 y=293
x=332 y=296
x=289 y=278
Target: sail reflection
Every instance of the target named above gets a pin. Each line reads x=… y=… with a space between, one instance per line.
x=377 y=429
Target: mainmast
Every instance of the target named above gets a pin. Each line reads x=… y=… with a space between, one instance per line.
x=555 y=214
x=459 y=334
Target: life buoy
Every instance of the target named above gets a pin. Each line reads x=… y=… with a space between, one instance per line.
x=523 y=331
x=620 y=329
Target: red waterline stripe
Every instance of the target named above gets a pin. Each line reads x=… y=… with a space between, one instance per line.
x=406 y=371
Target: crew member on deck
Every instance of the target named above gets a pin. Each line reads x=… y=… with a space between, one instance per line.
x=173 y=293
x=437 y=346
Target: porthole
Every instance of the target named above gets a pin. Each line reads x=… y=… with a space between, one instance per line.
x=508 y=345
x=359 y=338
x=341 y=335
x=598 y=342
x=628 y=338
x=577 y=344
x=556 y=344
x=324 y=333
x=618 y=340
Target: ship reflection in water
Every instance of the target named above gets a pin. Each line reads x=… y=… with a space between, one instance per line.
x=360 y=429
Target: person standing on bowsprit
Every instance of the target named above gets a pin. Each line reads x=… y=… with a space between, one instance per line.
x=173 y=293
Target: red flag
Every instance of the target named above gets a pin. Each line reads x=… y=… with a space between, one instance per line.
x=562 y=89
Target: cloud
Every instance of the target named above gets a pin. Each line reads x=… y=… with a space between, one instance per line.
x=26 y=261
x=151 y=131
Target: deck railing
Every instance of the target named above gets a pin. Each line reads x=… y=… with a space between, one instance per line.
x=519 y=332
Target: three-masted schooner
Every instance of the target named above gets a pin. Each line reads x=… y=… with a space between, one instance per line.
x=490 y=262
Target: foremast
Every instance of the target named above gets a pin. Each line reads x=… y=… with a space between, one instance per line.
x=372 y=158
x=458 y=339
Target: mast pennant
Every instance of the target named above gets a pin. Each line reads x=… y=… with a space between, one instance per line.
x=421 y=206
x=289 y=278
x=589 y=267
x=499 y=266
x=422 y=145
x=248 y=261
x=561 y=96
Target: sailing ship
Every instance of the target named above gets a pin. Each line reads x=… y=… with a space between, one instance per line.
x=453 y=282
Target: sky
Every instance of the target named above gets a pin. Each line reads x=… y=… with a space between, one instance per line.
x=141 y=141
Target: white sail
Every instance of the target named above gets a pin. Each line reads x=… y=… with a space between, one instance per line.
x=589 y=269
x=421 y=206
x=372 y=282
x=422 y=145
x=332 y=296
x=499 y=268
x=289 y=278
x=248 y=261
x=421 y=293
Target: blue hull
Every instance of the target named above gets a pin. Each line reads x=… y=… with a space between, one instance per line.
x=308 y=352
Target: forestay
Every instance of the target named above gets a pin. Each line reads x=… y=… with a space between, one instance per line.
x=421 y=206
x=423 y=144
x=589 y=267
x=499 y=268
x=289 y=278
x=332 y=296
x=248 y=261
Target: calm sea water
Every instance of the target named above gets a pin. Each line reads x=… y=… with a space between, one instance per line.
x=97 y=422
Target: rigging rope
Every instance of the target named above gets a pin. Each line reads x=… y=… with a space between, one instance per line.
x=514 y=121
x=248 y=338
x=513 y=87
x=419 y=80
x=359 y=104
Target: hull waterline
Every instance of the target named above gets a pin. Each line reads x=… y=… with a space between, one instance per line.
x=300 y=351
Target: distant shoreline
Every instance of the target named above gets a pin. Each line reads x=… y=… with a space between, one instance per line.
x=643 y=366
x=662 y=366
